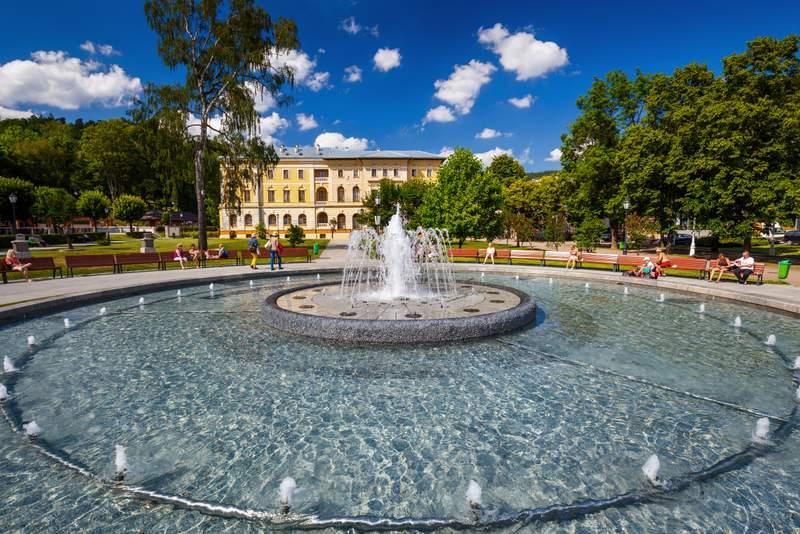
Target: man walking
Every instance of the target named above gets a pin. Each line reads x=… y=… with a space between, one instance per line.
x=252 y=246
x=275 y=250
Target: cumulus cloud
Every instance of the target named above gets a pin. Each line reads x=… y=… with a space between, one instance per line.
x=269 y=125
x=7 y=113
x=489 y=133
x=102 y=49
x=555 y=155
x=522 y=53
x=439 y=114
x=446 y=151
x=387 y=59
x=302 y=66
x=352 y=74
x=525 y=158
x=306 y=122
x=339 y=141
x=522 y=102
x=487 y=157
x=57 y=80
x=350 y=25
x=263 y=99
x=462 y=87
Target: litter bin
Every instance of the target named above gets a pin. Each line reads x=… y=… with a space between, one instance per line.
x=783 y=268
x=316 y=249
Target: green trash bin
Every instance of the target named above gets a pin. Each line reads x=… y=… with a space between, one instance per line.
x=783 y=268
x=316 y=249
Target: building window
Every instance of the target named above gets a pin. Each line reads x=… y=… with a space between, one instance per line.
x=340 y=173
x=272 y=220
x=270 y=174
x=340 y=194
x=270 y=196
x=301 y=195
x=356 y=224
x=232 y=221
x=413 y=173
x=286 y=195
x=341 y=221
x=301 y=219
x=355 y=173
x=285 y=174
x=247 y=195
x=322 y=218
x=320 y=173
x=287 y=220
x=385 y=173
x=300 y=174
x=248 y=220
x=396 y=173
x=322 y=194
x=374 y=173
x=430 y=172
x=356 y=194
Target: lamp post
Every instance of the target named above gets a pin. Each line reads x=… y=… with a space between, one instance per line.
x=13 y=199
x=626 y=205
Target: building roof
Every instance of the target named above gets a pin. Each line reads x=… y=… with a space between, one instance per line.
x=312 y=153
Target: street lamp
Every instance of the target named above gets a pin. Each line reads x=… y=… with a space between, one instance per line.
x=626 y=205
x=13 y=199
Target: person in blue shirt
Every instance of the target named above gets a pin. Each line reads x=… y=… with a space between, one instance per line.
x=252 y=246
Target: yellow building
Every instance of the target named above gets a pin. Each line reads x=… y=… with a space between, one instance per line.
x=322 y=189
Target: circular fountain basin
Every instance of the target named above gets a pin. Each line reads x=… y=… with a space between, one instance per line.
x=478 y=310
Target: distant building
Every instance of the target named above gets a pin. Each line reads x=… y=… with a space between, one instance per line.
x=322 y=190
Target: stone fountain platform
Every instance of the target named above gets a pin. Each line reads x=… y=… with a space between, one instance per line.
x=479 y=310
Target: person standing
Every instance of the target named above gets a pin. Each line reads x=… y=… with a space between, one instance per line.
x=275 y=251
x=252 y=246
x=743 y=267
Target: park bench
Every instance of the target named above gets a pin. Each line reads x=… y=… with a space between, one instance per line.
x=690 y=264
x=628 y=261
x=464 y=253
x=533 y=255
x=601 y=259
x=551 y=256
x=140 y=258
x=296 y=252
x=758 y=271
x=233 y=255
x=90 y=260
x=499 y=254
x=37 y=264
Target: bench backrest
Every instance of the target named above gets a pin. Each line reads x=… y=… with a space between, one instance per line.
x=498 y=253
x=90 y=260
x=133 y=258
x=300 y=252
x=591 y=257
x=527 y=254
x=463 y=253
x=629 y=259
x=689 y=263
x=759 y=268
x=556 y=255
x=40 y=263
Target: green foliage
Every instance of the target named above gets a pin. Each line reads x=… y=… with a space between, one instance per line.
x=640 y=230
x=555 y=229
x=589 y=233
x=506 y=169
x=53 y=205
x=295 y=235
x=110 y=155
x=25 y=198
x=261 y=230
x=129 y=208
x=93 y=204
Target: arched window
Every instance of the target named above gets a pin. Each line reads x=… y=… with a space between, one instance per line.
x=232 y=221
x=301 y=219
x=248 y=220
x=287 y=220
x=340 y=194
x=356 y=225
x=322 y=194
x=272 y=220
x=356 y=194
x=341 y=221
x=322 y=218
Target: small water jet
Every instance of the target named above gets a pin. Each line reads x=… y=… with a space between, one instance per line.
x=586 y=285
x=103 y=310
x=550 y=281
x=319 y=277
x=797 y=364
x=516 y=277
x=67 y=324
x=474 y=495
x=797 y=395
x=251 y=283
x=141 y=301
x=737 y=323
x=761 y=431
x=32 y=430
x=8 y=365
x=771 y=340
x=661 y=297
x=651 y=468
x=120 y=462
x=31 y=341
x=701 y=308
x=483 y=275
x=287 y=488
x=288 y=278
x=625 y=291
x=178 y=293
x=3 y=393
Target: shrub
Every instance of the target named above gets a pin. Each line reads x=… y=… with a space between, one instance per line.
x=589 y=233
x=129 y=208
x=295 y=235
x=232 y=234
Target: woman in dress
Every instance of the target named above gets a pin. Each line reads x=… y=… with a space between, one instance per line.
x=13 y=263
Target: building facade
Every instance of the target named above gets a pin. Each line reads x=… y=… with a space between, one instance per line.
x=322 y=190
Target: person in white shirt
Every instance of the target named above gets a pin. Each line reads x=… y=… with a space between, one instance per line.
x=743 y=267
x=490 y=253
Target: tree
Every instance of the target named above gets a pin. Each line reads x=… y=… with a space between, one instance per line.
x=589 y=232
x=295 y=235
x=226 y=62
x=389 y=194
x=25 y=197
x=465 y=200
x=506 y=169
x=54 y=205
x=93 y=204
x=129 y=208
x=109 y=152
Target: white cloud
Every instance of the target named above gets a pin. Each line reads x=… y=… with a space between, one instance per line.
x=489 y=133
x=339 y=141
x=102 y=49
x=374 y=31
x=350 y=25
x=263 y=99
x=522 y=53
x=446 y=151
x=352 y=74
x=439 y=114
x=387 y=59
x=7 y=113
x=487 y=157
x=525 y=158
x=270 y=125
x=306 y=122
x=302 y=67
x=555 y=155
x=522 y=102
x=57 y=80
x=462 y=87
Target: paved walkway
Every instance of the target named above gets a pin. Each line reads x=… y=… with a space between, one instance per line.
x=19 y=299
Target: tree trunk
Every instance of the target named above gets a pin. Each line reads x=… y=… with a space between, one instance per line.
x=747 y=242
x=199 y=185
x=613 y=229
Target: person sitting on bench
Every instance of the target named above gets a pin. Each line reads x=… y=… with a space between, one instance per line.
x=13 y=263
x=743 y=267
x=723 y=266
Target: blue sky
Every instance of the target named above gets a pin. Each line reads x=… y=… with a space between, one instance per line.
x=546 y=50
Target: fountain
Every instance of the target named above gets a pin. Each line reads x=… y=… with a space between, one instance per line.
x=120 y=462
x=211 y=287
x=474 y=494
x=771 y=340
x=178 y=293
x=701 y=308
x=797 y=395
x=797 y=363
x=661 y=297
x=32 y=430
x=103 y=310
x=398 y=287
x=67 y=324
x=761 y=431
x=625 y=290
x=3 y=393
x=287 y=488
x=31 y=341
x=651 y=468
x=8 y=365
x=737 y=323
x=251 y=284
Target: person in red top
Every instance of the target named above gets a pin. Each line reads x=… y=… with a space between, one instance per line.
x=13 y=263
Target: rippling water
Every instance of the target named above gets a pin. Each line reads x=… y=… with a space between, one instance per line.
x=212 y=404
